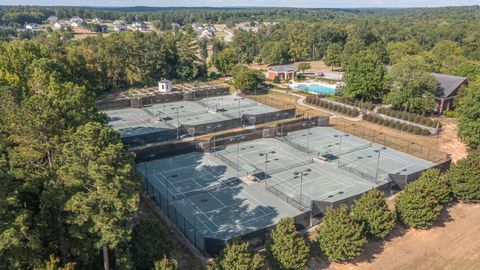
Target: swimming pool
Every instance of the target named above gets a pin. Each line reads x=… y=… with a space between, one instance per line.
x=317 y=88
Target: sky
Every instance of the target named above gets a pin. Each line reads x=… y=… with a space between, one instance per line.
x=226 y=3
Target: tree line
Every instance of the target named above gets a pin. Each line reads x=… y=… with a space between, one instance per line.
x=101 y=63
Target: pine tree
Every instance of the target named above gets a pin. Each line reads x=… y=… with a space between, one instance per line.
x=340 y=238
x=165 y=264
x=236 y=256
x=149 y=242
x=436 y=185
x=416 y=207
x=98 y=171
x=464 y=178
x=371 y=211
x=286 y=247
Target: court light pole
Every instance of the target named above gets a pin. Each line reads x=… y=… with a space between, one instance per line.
x=378 y=161
x=340 y=146
x=302 y=173
x=308 y=133
x=266 y=154
x=178 y=121
x=239 y=100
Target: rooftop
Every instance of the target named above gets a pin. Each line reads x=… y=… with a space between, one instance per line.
x=448 y=84
x=283 y=68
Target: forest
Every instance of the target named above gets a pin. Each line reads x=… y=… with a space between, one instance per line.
x=68 y=192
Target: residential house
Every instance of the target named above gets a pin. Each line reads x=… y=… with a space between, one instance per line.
x=206 y=35
x=175 y=26
x=282 y=72
x=33 y=26
x=140 y=26
x=52 y=19
x=120 y=28
x=97 y=20
x=60 y=26
x=76 y=21
x=103 y=28
x=199 y=27
x=448 y=89
x=119 y=22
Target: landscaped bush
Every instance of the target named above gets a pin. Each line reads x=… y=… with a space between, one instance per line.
x=411 y=117
x=397 y=125
x=319 y=101
x=449 y=113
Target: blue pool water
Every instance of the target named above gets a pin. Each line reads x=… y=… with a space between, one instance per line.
x=317 y=88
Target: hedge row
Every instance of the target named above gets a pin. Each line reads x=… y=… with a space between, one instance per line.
x=411 y=117
x=397 y=125
x=316 y=100
x=366 y=105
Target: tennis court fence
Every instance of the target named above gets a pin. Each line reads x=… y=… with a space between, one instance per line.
x=302 y=203
x=187 y=226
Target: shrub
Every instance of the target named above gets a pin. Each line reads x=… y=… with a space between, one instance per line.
x=276 y=79
x=426 y=132
x=343 y=110
x=464 y=178
x=340 y=238
x=286 y=247
x=404 y=127
x=405 y=115
x=386 y=123
x=165 y=264
x=418 y=118
x=423 y=121
x=411 y=128
x=417 y=130
x=236 y=255
x=429 y=123
x=417 y=208
x=371 y=211
x=449 y=113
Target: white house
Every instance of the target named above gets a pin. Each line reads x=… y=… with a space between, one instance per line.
x=76 y=21
x=120 y=28
x=206 y=35
x=32 y=26
x=199 y=27
x=165 y=86
x=97 y=20
x=119 y=22
x=140 y=26
x=52 y=19
x=60 y=26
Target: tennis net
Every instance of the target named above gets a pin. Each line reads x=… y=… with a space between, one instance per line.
x=149 y=112
x=286 y=168
x=355 y=149
x=217 y=187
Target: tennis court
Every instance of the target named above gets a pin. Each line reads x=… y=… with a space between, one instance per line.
x=133 y=122
x=192 y=117
x=357 y=155
x=281 y=166
x=207 y=200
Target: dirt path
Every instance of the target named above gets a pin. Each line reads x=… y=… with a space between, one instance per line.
x=454 y=244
